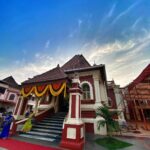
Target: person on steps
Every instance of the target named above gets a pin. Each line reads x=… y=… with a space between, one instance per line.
x=28 y=124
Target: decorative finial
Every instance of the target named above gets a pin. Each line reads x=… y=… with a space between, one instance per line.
x=58 y=65
x=94 y=63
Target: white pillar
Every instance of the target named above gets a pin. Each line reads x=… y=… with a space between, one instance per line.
x=119 y=102
x=73 y=129
x=20 y=107
x=98 y=99
x=98 y=103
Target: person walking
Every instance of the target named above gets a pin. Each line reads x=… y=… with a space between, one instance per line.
x=6 y=125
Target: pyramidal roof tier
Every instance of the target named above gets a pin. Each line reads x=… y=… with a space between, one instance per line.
x=76 y=62
x=11 y=82
x=52 y=75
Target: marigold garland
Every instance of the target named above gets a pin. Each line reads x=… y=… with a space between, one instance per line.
x=48 y=87
x=56 y=93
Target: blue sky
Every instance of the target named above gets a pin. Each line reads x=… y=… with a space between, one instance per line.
x=36 y=35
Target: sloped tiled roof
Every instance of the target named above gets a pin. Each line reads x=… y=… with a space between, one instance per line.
x=51 y=75
x=143 y=75
x=78 y=61
x=11 y=82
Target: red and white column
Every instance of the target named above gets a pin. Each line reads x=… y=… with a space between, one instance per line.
x=73 y=130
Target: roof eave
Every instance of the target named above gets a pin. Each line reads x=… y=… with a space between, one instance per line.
x=43 y=82
x=83 y=69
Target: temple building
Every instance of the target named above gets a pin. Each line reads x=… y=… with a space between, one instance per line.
x=137 y=100
x=9 y=95
x=115 y=100
x=74 y=91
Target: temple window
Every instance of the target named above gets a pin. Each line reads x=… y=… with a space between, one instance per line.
x=12 y=97
x=87 y=90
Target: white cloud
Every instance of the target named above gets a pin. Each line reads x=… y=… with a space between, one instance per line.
x=76 y=30
x=107 y=49
x=125 y=12
x=111 y=11
x=22 y=70
x=120 y=67
x=136 y=22
x=145 y=61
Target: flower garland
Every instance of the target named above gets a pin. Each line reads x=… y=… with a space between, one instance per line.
x=49 y=87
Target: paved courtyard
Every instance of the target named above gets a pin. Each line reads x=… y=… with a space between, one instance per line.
x=139 y=143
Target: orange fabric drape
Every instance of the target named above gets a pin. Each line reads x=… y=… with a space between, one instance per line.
x=55 y=89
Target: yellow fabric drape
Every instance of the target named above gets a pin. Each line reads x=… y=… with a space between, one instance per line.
x=42 y=93
x=56 y=93
x=27 y=94
x=48 y=87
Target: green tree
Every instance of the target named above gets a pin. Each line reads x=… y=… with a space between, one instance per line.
x=109 y=120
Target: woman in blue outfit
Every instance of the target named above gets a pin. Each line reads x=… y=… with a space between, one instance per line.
x=6 y=125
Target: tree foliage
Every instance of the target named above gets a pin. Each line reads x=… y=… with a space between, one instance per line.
x=109 y=120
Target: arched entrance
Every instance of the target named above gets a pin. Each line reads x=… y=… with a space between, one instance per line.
x=63 y=103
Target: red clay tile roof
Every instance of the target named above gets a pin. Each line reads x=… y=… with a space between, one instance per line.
x=51 y=75
x=144 y=74
x=78 y=61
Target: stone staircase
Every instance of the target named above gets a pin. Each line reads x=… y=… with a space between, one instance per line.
x=49 y=129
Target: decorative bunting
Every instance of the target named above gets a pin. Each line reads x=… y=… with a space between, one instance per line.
x=55 y=89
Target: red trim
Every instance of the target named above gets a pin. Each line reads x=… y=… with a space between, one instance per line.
x=79 y=108
x=75 y=85
x=38 y=118
x=145 y=73
x=73 y=144
x=45 y=114
x=73 y=106
x=111 y=94
x=87 y=101
x=89 y=127
x=17 y=107
x=76 y=90
x=89 y=78
x=8 y=102
x=88 y=114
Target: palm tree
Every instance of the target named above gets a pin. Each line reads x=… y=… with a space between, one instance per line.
x=109 y=120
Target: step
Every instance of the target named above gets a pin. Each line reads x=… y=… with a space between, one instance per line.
x=44 y=134
x=54 y=119
x=38 y=137
x=51 y=124
x=48 y=127
x=47 y=130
